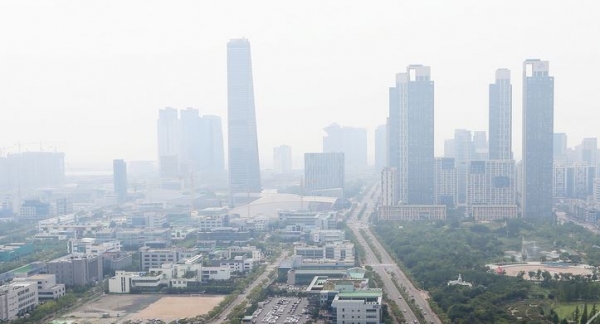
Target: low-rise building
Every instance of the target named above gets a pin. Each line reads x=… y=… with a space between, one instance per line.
x=327 y=236
x=47 y=287
x=77 y=269
x=14 y=251
x=412 y=212
x=152 y=258
x=359 y=307
x=17 y=299
x=91 y=246
x=117 y=260
x=237 y=264
x=140 y=236
x=223 y=236
x=339 y=251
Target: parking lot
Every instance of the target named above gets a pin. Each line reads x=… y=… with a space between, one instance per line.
x=282 y=310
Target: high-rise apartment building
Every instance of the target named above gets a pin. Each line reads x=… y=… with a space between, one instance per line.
x=446 y=186
x=500 y=117
x=29 y=170
x=214 y=161
x=323 y=171
x=190 y=141
x=189 y=144
x=491 y=189
x=380 y=147
x=168 y=142
x=464 y=152
x=480 y=145
x=282 y=159
x=120 y=180
x=574 y=181
x=411 y=135
x=560 y=147
x=351 y=141
x=244 y=168
x=589 y=150
x=538 y=130
x=388 y=187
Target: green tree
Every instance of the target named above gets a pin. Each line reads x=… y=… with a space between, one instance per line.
x=584 y=314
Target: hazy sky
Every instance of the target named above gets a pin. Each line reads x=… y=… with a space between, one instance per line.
x=89 y=76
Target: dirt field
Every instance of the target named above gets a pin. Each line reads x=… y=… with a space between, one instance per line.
x=170 y=308
x=130 y=307
x=513 y=270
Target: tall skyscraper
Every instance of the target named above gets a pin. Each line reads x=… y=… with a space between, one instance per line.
x=282 y=159
x=189 y=144
x=446 y=189
x=191 y=141
x=464 y=151
x=538 y=129
x=589 y=149
x=500 y=117
x=214 y=160
x=352 y=141
x=168 y=142
x=120 y=180
x=30 y=170
x=323 y=171
x=560 y=147
x=380 y=147
x=244 y=167
x=411 y=133
x=480 y=145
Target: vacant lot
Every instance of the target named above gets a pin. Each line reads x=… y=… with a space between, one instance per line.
x=513 y=270
x=170 y=308
x=129 y=307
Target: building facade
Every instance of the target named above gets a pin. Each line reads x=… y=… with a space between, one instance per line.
x=351 y=141
x=120 y=180
x=17 y=299
x=500 y=117
x=323 y=171
x=244 y=167
x=491 y=189
x=282 y=159
x=411 y=135
x=538 y=139
x=446 y=186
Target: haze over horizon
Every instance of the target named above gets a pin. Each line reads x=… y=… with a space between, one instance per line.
x=89 y=78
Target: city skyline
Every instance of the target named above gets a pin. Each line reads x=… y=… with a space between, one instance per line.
x=55 y=75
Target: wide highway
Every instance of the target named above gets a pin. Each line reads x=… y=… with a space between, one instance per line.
x=388 y=266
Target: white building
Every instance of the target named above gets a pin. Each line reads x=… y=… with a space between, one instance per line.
x=89 y=246
x=47 y=287
x=327 y=236
x=358 y=307
x=153 y=258
x=341 y=250
x=174 y=275
x=237 y=264
x=17 y=299
x=180 y=233
x=232 y=251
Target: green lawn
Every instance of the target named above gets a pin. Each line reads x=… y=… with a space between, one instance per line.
x=566 y=310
